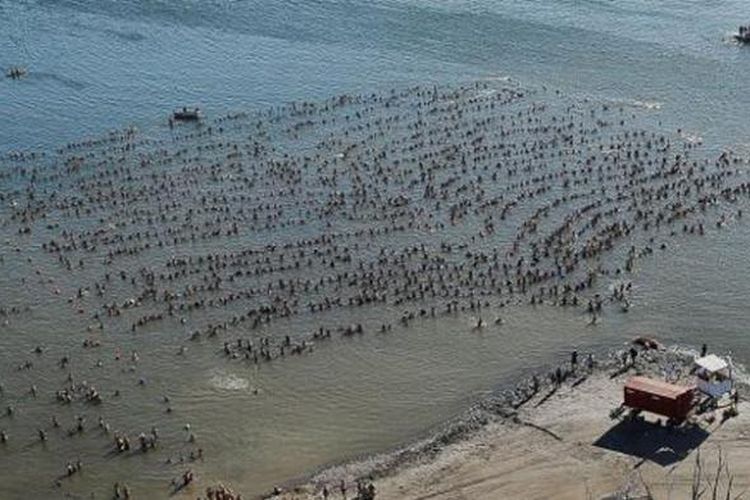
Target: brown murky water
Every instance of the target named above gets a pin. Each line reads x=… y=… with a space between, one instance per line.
x=477 y=201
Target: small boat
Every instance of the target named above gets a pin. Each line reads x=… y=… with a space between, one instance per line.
x=743 y=35
x=187 y=114
x=16 y=72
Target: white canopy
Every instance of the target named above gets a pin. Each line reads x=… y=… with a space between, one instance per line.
x=712 y=363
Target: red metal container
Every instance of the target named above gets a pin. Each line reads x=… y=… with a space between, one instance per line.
x=662 y=398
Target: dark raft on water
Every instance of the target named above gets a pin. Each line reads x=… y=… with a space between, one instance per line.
x=743 y=35
x=16 y=72
x=187 y=114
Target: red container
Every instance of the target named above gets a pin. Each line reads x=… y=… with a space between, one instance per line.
x=662 y=398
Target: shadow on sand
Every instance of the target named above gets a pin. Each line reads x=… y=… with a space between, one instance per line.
x=651 y=441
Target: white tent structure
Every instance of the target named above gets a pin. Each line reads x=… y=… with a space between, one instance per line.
x=714 y=376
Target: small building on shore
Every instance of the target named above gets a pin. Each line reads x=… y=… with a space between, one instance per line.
x=713 y=376
x=659 y=397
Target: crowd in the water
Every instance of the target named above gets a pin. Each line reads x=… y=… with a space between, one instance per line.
x=420 y=203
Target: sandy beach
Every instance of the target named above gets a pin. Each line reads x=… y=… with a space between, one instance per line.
x=567 y=447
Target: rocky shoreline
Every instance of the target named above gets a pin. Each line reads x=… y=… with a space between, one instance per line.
x=508 y=408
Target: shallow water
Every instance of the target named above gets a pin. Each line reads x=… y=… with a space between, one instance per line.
x=101 y=65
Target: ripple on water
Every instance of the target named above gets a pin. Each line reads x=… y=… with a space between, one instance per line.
x=220 y=379
x=639 y=103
